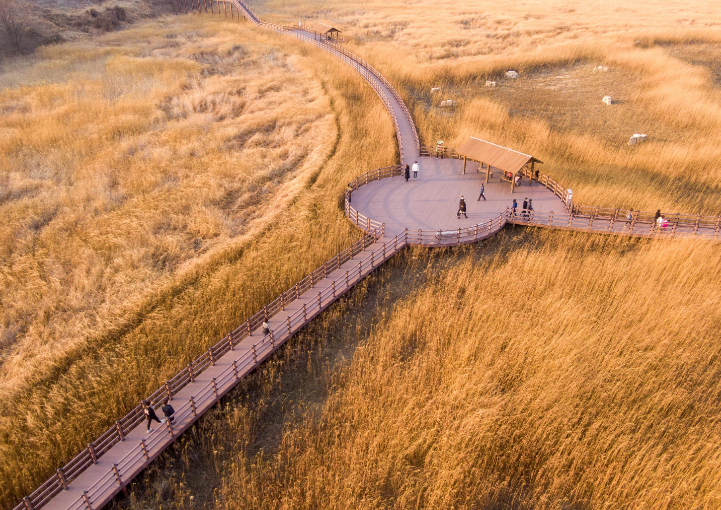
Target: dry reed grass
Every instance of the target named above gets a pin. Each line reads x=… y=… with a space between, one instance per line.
x=140 y=186
x=530 y=372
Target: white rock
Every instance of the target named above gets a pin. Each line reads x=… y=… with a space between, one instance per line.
x=637 y=138
x=511 y=74
x=607 y=100
x=490 y=83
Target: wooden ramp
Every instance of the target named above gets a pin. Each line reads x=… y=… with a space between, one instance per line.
x=118 y=456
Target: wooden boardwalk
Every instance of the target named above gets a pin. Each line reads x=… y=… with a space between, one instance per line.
x=100 y=472
x=394 y=214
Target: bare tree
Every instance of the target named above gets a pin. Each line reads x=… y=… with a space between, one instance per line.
x=13 y=21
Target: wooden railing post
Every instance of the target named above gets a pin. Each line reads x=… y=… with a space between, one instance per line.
x=235 y=369
x=215 y=386
x=167 y=389
x=170 y=427
x=119 y=428
x=255 y=357
x=63 y=480
x=192 y=406
x=305 y=317
x=27 y=503
x=145 y=449
x=230 y=342
x=87 y=500
x=320 y=302
x=190 y=372
x=287 y=323
x=93 y=456
x=212 y=357
x=117 y=474
x=332 y=284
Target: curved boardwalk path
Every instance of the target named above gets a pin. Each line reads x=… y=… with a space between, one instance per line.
x=394 y=214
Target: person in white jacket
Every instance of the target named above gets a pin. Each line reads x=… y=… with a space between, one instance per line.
x=415 y=170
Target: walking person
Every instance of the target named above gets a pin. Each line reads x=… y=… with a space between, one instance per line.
x=407 y=172
x=461 y=208
x=415 y=170
x=514 y=207
x=655 y=218
x=150 y=415
x=168 y=411
x=525 y=206
x=530 y=207
x=483 y=189
x=266 y=328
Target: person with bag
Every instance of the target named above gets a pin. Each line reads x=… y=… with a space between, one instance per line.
x=168 y=411
x=483 y=190
x=407 y=172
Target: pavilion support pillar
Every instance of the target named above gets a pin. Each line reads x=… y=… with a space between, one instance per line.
x=513 y=183
x=488 y=169
x=464 y=164
x=530 y=180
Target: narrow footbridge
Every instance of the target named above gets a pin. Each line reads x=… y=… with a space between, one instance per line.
x=393 y=213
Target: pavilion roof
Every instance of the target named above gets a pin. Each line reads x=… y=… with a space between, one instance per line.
x=321 y=28
x=495 y=155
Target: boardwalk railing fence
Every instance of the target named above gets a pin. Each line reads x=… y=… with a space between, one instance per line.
x=642 y=225
x=124 y=425
x=211 y=392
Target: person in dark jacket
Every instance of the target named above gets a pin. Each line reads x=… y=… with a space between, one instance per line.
x=462 y=208
x=656 y=217
x=168 y=411
x=481 y=195
x=407 y=172
x=150 y=414
x=514 y=207
x=525 y=206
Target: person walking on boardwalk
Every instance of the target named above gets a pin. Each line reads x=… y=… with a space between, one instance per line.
x=656 y=217
x=168 y=411
x=408 y=172
x=266 y=328
x=514 y=207
x=415 y=170
x=481 y=195
x=461 y=208
x=530 y=206
x=150 y=414
x=525 y=206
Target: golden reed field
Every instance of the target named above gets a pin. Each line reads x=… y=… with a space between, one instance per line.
x=159 y=184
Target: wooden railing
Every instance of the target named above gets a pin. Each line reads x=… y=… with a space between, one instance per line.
x=434 y=152
x=453 y=237
x=95 y=450
x=642 y=223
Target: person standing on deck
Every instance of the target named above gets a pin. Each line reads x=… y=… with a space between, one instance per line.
x=481 y=195
x=514 y=207
x=461 y=208
x=525 y=206
x=656 y=217
x=408 y=173
x=415 y=170
x=530 y=206
x=150 y=415
x=168 y=411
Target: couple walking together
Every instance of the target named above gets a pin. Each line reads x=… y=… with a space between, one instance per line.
x=408 y=170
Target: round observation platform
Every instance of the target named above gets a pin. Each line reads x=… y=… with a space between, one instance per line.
x=431 y=201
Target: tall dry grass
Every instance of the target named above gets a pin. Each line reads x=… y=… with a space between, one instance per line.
x=541 y=370
x=165 y=183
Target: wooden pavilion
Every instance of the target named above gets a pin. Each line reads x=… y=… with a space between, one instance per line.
x=324 y=30
x=492 y=155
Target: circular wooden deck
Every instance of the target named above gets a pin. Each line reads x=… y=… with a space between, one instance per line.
x=431 y=201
